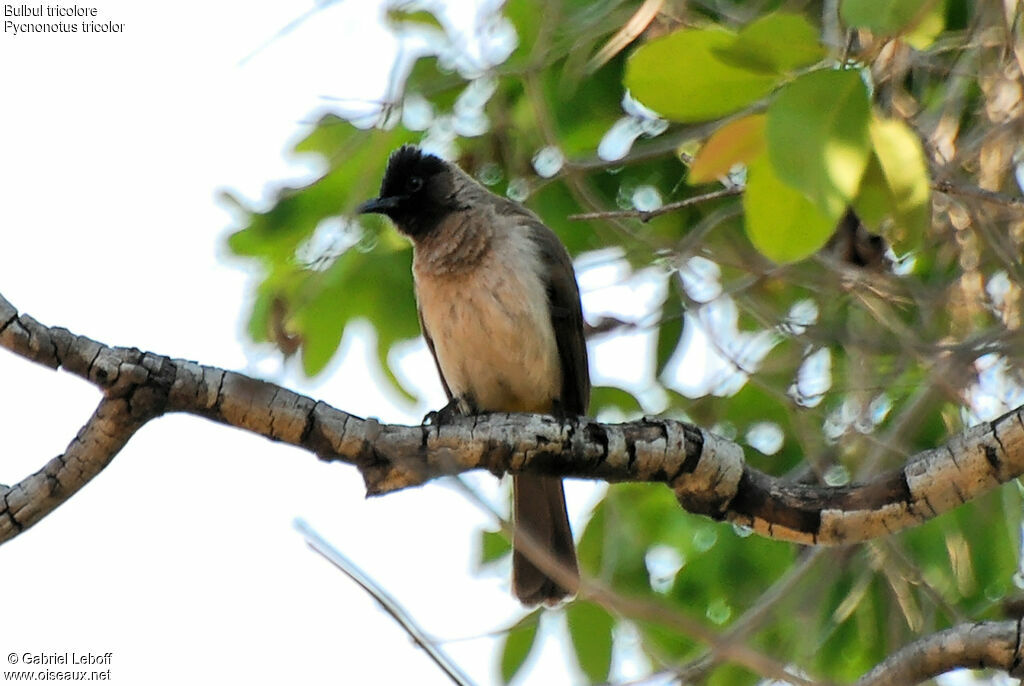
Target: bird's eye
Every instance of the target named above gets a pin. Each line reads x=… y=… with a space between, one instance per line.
x=415 y=183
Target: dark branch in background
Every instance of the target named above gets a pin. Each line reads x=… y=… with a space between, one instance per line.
x=707 y=473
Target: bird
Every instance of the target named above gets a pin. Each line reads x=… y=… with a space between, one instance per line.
x=499 y=309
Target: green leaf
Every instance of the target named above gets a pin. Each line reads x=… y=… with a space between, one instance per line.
x=737 y=142
x=781 y=223
x=670 y=330
x=331 y=134
x=680 y=77
x=609 y=396
x=614 y=552
x=590 y=628
x=582 y=109
x=441 y=88
x=590 y=549
x=925 y=30
x=849 y=637
x=553 y=202
x=526 y=16
x=493 y=547
x=874 y=202
x=895 y=195
x=357 y=163
x=732 y=675
x=779 y=42
x=403 y=15
x=518 y=644
x=329 y=300
x=318 y=305
x=893 y=17
x=753 y=405
x=260 y=318
x=904 y=169
x=818 y=141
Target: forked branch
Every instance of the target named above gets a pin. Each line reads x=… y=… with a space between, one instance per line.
x=708 y=473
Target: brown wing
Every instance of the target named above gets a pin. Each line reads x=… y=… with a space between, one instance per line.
x=430 y=345
x=566 y=318
x=540 y=500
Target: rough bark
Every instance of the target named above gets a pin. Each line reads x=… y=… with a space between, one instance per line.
x=707 y=473
x=981 y=645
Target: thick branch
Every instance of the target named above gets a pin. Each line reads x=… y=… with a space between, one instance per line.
x=707 y=473
x=28 y=501
x=984 y=645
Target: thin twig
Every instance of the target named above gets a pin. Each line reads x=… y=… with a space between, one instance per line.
x=287 y=29
x=950 y=188
x=647 y=215
x=390 y=605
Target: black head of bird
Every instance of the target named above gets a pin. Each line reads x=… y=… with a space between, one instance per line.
x=416 y=192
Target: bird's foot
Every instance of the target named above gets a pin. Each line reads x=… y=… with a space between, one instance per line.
x=445 y=415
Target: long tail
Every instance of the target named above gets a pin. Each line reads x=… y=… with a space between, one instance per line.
x=539 y=510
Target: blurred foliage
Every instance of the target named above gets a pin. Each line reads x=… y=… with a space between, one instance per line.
x=831 y=362
x=518 y=644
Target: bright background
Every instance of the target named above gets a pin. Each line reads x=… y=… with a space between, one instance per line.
x=180 y=558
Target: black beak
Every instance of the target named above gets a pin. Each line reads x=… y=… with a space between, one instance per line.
x=378 y=206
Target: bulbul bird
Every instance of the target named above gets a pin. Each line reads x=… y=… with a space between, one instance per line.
x=499 y=308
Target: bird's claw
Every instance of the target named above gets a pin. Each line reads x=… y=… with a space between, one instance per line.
x=443 y=416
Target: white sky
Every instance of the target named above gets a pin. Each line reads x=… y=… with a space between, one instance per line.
x=180 y=557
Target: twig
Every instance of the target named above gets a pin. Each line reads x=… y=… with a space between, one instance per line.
x=950 y=188
x=629 y=32
x=390 y=605
x=647 y=215
x=286 y=29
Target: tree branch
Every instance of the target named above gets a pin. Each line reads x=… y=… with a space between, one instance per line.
x=317 y=543
x=35 y=496
x=947 y=187
x=992 y=645
x=647 y=215
x=950 y=188
x=707 y=473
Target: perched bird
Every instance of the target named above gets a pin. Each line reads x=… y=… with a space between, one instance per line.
x=500 y=311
